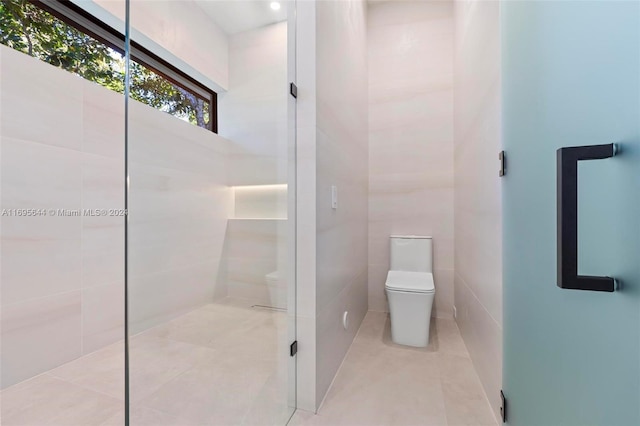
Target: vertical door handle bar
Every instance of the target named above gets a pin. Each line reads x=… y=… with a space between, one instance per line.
x=567 y=205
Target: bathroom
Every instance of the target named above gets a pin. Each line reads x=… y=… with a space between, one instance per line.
x=319 y=212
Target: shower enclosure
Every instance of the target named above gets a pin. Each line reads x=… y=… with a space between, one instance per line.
x=147 y=253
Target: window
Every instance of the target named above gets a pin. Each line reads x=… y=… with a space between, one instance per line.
x=64 y=35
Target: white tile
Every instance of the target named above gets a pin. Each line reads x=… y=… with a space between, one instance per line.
x=102 y=315
x=103 y=121
x=340 y=158
x=32 y=88
x=165 y=24
x=411 y=162
x=443 y=303
x=39 y=335
x=102 y=236
x=158 y=297
x=478 y=246
x=161 y=140
x=37 y=176
x=333 y=340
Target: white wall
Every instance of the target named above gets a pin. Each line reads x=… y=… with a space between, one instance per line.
x=62 y=277
x=250 y=254
x=62 y=147
x=341 y=160
x=179 y=203
x=253 y=113
x=331 y=150
x=478 y=216
x=305 y=50
x=410 y=46
x=178 y=28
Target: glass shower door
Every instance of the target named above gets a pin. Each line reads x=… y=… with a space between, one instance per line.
x=571 y=77
x=61 y=260
x=210 y=303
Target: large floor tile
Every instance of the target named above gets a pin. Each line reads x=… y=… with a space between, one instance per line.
x=219 y=392
x=101 y=371
x=47 y=400
x=464 y=398
x=142 y=416
x=382 y=383
x=220 y=364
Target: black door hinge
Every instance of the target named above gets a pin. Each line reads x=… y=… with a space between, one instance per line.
x=293 y=349
x=293 y=90
x=503 y=164
x=503 y=407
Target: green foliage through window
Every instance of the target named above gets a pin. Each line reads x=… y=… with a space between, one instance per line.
x=34 y=31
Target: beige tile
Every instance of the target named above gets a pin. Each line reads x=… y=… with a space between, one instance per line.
x=205 y=326
x=33 y=88
x=411 y=124
x=39 y=335
x=250 y=361
x=388 y=384
x=482 y=335
x=449 y=338
x=142 y=416
x=465 y=401
x=46 y=400
x=478 y=239
x=159 y=297
x=383 y=384
x=217 y=392
x=374 y=407
x=443 y=301
x=302 y=417
x=101 y=371
x=266 y=336
x=102 y=316
x=155 y=362
x=103 y=121
x=39 y=176
x=270 y=407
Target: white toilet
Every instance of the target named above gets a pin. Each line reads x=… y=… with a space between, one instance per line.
x=277 y=290
x=410 y=289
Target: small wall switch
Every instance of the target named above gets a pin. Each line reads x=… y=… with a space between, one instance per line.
x=334 y=197
x=455 y=312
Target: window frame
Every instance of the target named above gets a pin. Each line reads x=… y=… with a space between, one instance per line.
x=83 y=21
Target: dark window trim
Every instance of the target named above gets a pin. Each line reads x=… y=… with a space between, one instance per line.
x=82 y=20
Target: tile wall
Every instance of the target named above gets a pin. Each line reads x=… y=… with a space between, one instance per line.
x=410 y=46
x=62 y=277
x=478 y=214
x=341 y=161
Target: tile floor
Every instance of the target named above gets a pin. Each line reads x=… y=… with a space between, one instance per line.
x=381 y=383
x=217 y=365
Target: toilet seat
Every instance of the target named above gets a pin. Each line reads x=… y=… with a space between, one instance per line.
x=413 y=282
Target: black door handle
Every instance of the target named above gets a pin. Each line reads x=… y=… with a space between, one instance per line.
x=567 y=193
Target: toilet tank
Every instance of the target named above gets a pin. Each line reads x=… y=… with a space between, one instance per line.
x=411 y=253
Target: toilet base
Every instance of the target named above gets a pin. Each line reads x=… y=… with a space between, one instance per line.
x=410 y=317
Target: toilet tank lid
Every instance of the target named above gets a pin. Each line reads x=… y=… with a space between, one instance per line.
x=413 y=237
x=272 y=275
x=415 y=282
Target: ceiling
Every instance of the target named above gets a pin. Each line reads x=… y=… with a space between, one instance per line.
x=235 y=16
